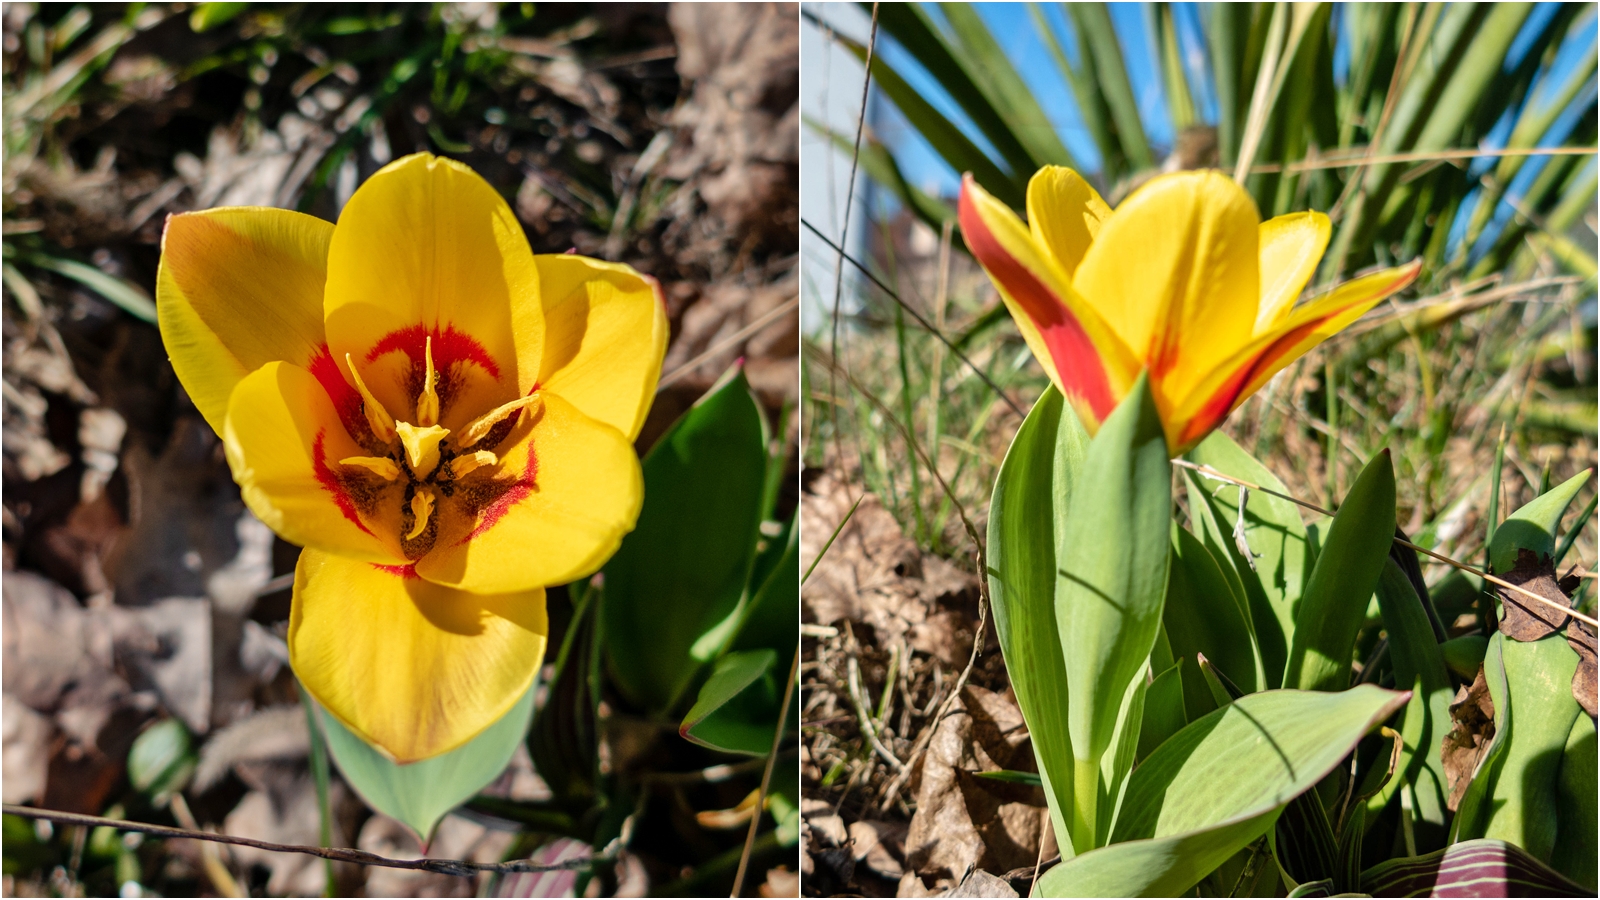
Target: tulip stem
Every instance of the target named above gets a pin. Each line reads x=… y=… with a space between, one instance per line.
x=1085 y=803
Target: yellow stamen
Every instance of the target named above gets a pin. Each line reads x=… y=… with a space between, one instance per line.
x=479 y=428
x=377 y=465
x=422 y=446
x=428 y=402
x=421 y=509
x=467 y=463
x=382 y=423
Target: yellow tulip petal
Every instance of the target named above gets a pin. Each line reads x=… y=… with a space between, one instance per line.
x=1234 y=381
x=570 y=488
x=236 y=289
x=1064 y=213
x=427 y=249
x=1083 y=357
x=1175 y=273
x=605 y=336
x=1291 y=247
x=284 y=442
x=413 y=667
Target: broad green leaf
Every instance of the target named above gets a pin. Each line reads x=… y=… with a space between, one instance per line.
x=737 y=708
x=1522 y=799
x=1275 y=533
x=1112 y=554
x=161 y=759
x=1217 y=785
x=1534 y=526
x=1032 y=489
x=672 y=590
x=1478 y=868
x=1577 y=837
x=1418 y=661
x=772 y=617
x=1164 y=714
x=1203 y=615
x=419 y=794
x=1335 y=601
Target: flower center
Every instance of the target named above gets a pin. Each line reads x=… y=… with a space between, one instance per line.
x=425 y=457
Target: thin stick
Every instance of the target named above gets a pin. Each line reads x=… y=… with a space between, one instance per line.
x=461 y=867
x=727 y=343
x=864 y=715
x=1499 y=582
x=766 y=776
x=1351 y=162
x=915 y=315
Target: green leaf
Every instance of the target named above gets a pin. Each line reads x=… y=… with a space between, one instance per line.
x=946 y=138
x=207 y=16
x=1093 y=21
x=124 y=293
x=1163 y=711
x=1521 y=800
x=1418 y=661
x=1112 y=554
x=737 y=708
x=1032 y=489
x=1217 y=785
x=1275 y=534
x=419 y=794
x=1472 y=812
x=1011 y=776
x=1534 y=526
x=1006 y=90
x=1204 y=616
x=1463 y=655
x=909 y=24
x=161 y=760
x=672 y=591
x=1576 y=789
x=1347 y=570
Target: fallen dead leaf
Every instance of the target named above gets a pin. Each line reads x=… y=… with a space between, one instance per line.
x=26 y=753
x=1471 y=730
x=1524 y=619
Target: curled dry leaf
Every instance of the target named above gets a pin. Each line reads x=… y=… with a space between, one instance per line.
x=1471 y=730
x=1525 y=619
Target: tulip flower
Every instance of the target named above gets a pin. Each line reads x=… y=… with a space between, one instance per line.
x=442 y=419
x=1183 y=280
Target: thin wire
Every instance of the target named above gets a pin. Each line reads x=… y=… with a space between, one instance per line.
x=1499 y=582
x=915 y=315
x=458 y=867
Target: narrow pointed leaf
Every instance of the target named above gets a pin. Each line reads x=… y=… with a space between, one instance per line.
x=1112 y=554
x=1202 y=614
x=1164 y=714
x=737 y=708
x=1347 y=570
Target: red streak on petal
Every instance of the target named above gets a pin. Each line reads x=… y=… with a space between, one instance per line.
x=449 y=346
x=1227 y=397
x=513 y=495
x=330 y=482
x=1074 y=356
x=408 y=571
x=346 y=399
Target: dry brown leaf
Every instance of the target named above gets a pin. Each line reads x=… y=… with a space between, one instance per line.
x=1525 y=619
x=1471 y=730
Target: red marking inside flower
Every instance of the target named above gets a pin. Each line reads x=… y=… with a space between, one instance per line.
x=1074 y=356
x=449 y=346
x=346 y=399
x=512 y=496
x=408 y=571
x=330 y=481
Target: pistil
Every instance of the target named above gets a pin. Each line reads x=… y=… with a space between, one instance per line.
x=421 y=446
